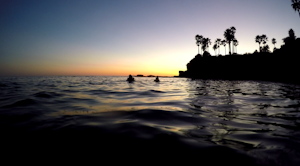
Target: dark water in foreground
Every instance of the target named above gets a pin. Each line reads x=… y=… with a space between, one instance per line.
x=178 y=120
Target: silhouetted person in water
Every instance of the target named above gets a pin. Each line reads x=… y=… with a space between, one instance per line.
x=130 y=78
x=156 y=80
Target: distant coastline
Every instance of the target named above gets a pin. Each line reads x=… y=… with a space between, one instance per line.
x=141 y=75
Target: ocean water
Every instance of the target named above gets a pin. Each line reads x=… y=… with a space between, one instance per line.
x=177 y=120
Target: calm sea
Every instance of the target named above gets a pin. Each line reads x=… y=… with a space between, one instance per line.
x=177 y=120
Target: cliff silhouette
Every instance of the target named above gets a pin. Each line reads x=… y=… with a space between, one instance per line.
x=282 y=65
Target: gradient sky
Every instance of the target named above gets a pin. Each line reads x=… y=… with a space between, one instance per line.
x=118 y=37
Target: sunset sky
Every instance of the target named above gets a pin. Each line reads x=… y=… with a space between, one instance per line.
x=122 y=37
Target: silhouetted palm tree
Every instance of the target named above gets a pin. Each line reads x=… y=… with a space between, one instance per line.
x=261 y=39
x=258 y=40
x=223 y=42
x=274 y=41
x=235 y=43
x=198 y=41
x=229 y=36
x=264 y=39
x=218 y=42
x=215 y=47
x=296 y=5
x=205 y=43
x=233 y=30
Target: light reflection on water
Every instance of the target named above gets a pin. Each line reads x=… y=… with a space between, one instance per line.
x=252 y=117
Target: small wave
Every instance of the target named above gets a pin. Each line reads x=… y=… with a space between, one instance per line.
x=149 y=93
x=3 y=85
x=71 y=91
x=25 y=102
x=43 y=84
x=72 y=86
x=157 y=91
x=107 y=92
x=99 y=91
x=96 y=83
x=167 y=117
x=15 y=83
x=44 y=94
x=82 y=100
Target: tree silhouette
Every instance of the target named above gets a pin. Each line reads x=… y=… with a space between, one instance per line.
x=205 y=43
x=296 y=5
x=274 y=42
x=233 y=30
x=215 y=47
x=218 y=42
x=265 y=48
x=261 y=39
x=258 y=40
x=264 y=39
x=223 y=42
x=198 y=41
x=229 y=36
x=290 y=38
x=235 y=43
x=292 y=34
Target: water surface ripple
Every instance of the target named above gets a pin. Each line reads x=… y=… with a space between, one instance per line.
x=176 y=119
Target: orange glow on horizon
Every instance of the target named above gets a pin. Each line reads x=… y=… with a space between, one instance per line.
x=52 y=70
